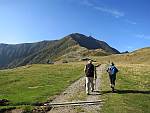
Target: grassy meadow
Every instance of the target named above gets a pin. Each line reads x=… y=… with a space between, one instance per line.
x=39 y=83
x=30 y=85
x=133 y=90
x=132 y=84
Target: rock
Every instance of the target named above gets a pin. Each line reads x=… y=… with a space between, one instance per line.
x=4 y=102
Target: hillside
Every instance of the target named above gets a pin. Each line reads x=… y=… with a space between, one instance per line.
x=28 y=86
x=72 y=46
x=140 y=56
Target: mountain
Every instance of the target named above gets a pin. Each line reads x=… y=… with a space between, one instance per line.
x=72 y=46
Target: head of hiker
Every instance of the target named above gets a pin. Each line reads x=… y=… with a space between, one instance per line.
x=90 y=61
x=112 y=64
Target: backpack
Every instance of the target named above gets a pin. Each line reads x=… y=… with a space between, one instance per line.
x=113 y=70
x=89 y=70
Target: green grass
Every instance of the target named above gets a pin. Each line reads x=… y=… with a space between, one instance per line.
x=26 y=86
x=133 y=95
x=37 y=83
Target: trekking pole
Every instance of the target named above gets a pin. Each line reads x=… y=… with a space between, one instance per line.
x=95 y=83
x=95 y=78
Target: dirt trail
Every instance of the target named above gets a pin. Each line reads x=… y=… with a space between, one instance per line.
x=76 y=92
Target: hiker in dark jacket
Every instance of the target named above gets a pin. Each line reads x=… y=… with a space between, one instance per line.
x=90 y=73
x=112 y=70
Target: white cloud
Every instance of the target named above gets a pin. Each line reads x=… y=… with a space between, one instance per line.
x=130 y=22
x=113 y=12
x=142 y=36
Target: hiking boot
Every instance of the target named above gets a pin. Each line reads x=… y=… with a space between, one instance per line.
x=113 y=89
x=112 y=85
x=87 y=93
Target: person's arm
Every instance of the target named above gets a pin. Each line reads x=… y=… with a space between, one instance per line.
x=107 y=69
x=85 y=69
x=95 y=73
x=98 y=65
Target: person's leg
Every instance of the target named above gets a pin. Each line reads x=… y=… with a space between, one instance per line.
x=92 y=84
x=87 y=85
x=113 y=82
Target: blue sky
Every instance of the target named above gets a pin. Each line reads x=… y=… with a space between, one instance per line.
x=123 y=24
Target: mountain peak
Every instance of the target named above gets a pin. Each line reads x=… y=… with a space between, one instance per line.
x=91 y=43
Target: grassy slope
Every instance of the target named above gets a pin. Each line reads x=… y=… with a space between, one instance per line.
x=132 y=83
x=133 y=93
x=140 y=56
x=38 y=83
x=76 y=53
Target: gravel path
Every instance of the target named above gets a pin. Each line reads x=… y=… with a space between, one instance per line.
x=76 y=92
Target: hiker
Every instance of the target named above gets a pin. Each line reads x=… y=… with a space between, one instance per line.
x=90 y=72
x=112 y=70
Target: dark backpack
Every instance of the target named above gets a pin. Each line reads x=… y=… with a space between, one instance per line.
x=90 y=70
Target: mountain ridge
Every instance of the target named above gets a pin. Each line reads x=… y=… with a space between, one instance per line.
x=75 y=44
x=95 y=44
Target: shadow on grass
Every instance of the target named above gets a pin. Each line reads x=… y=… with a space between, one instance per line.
x=127 y=91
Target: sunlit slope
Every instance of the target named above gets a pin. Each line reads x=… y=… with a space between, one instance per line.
x=141 y=56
